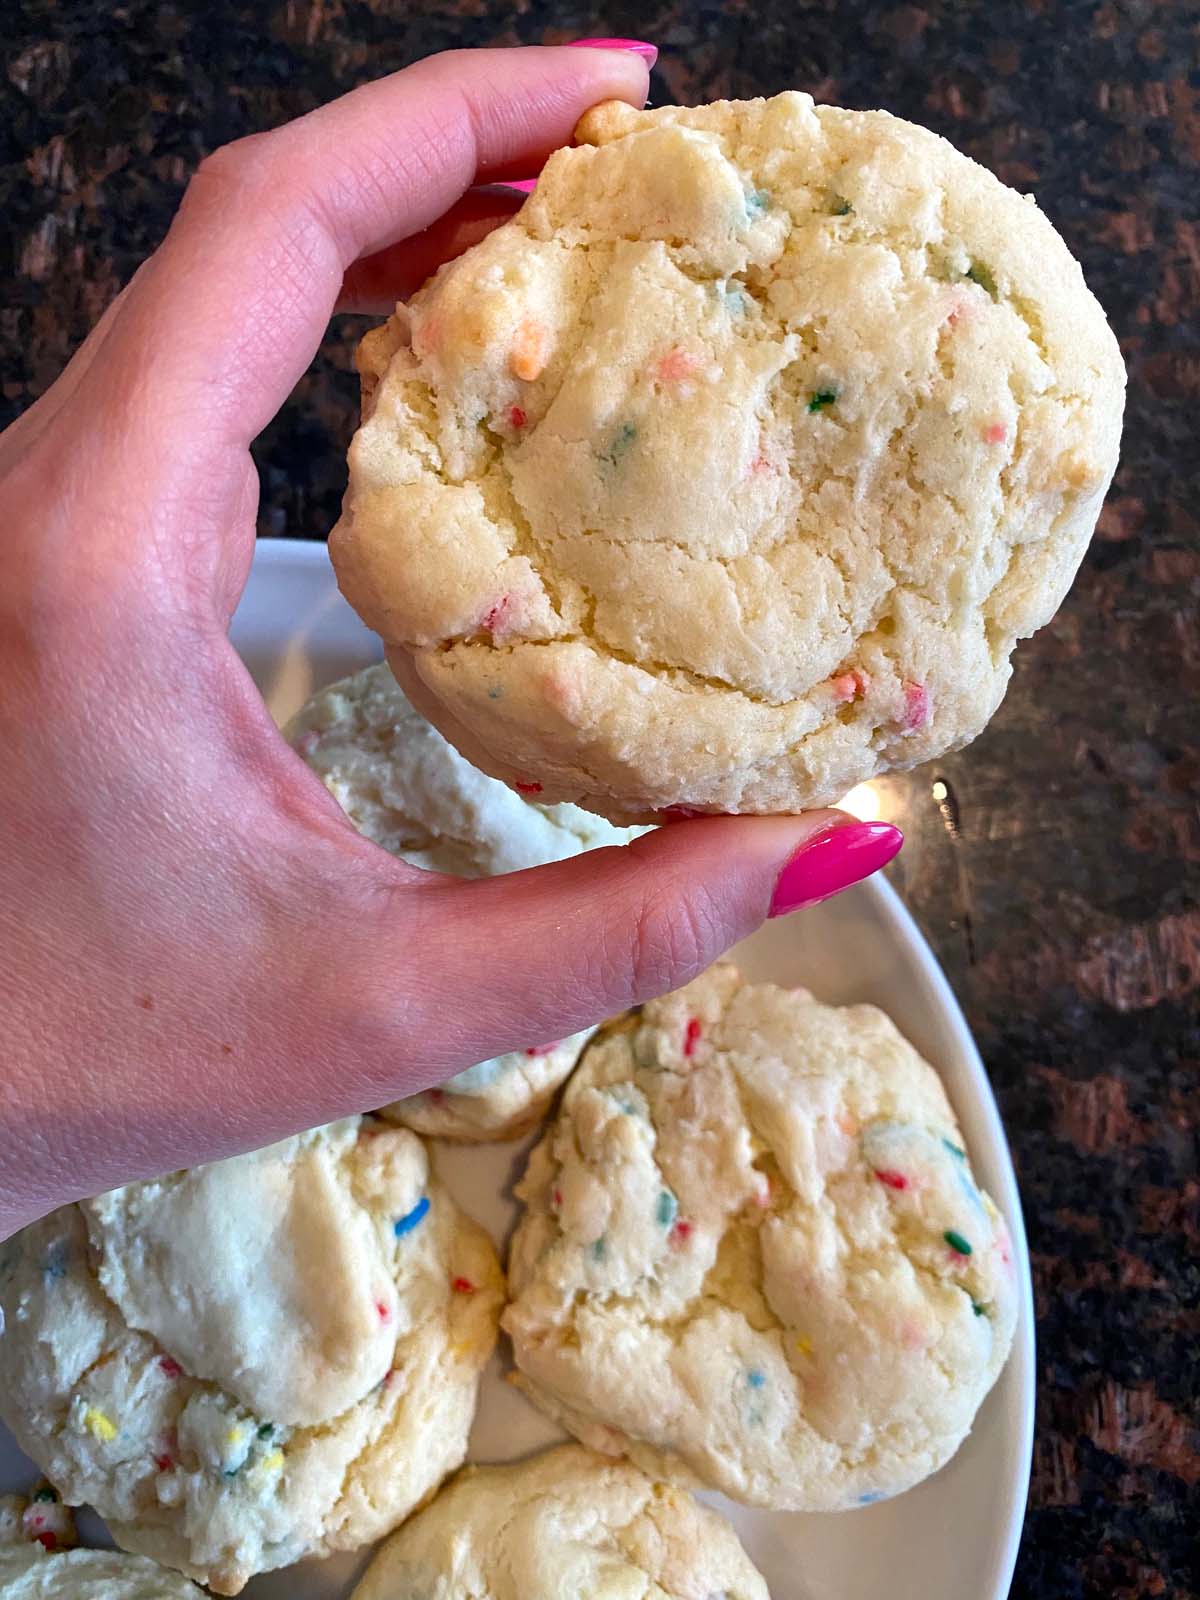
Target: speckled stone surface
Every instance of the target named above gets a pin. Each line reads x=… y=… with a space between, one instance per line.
x=1054 y=865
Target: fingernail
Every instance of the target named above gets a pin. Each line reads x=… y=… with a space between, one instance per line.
x=637 y=47
x=525 y=185
x=831 y=861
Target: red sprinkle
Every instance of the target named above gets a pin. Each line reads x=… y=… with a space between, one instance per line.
x=995 y=433
x=916 y=706
x=556 y=1199
x=437 y=1096
x=528 y=788
x=495 y=616
x=48 y=1541
x=676 y=365
x=542 y=1049
x=680 y=1234
x=691 y=1036
x=383 y=1311
x=164 y=1463
x=170 y=1367
x=894 y=1180
x=462 y=1286
x=517 y=417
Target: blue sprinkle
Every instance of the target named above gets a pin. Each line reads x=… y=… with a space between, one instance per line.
x=734 y=301
x=757 y=202
x=755 y=1378
x=619 y=444
x=495 y=692
x=955 y=1150
x=54 y=1264
x=599 y=1249
x=666 y=1209
x=403 y=1225
x=871 y=1496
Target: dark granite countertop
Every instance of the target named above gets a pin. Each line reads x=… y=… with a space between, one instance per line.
x=1054 y=864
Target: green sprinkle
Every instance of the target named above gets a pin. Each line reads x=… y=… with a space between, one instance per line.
x=954 y=1149
x=841 y=207
x=757 y=202
x=265 y=1430
x=982 y=275
x=599 y=1249
x=956 y=1242
x=820 y=398
x=495 y=692
x=46 y=1496
x=977 y=1308
x=619 y=446
x=666 y=1208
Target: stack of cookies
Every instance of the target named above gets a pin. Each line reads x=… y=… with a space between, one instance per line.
x=723 y=478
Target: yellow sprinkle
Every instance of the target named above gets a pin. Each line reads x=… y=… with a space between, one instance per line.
x=273 y=1462
x=234 y=1436
x=99 y=1424
x=804 y=1346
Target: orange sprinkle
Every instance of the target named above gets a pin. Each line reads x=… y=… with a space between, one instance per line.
x=995 y=433
x=850 y=685
x=527 y=358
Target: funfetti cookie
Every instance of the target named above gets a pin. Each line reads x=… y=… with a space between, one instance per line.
x=753 y=1255
x=729 y=472
x=253 y=1361
x=27 y=1572
x=405 y=787
x=566 y=1523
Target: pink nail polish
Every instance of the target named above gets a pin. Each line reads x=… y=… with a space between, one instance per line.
x=637 y=47
x=525 y=185
x=831 y=861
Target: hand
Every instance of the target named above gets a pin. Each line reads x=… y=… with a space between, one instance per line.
x=200 y=954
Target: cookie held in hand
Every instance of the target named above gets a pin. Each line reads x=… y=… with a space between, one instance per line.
x=729 y=472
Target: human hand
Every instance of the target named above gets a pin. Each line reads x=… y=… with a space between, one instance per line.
x=201 y=955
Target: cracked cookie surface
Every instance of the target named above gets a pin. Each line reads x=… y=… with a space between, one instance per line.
x=403 y=786
x=248 y=1362
x=567 y=1522
x=753 y=1256
x=729 y=472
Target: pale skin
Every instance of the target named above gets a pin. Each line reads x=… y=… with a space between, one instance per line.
x=200 y=955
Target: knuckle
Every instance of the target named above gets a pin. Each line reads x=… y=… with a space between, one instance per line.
x=675 y=934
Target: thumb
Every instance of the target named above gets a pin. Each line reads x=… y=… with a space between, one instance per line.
x=500 y=963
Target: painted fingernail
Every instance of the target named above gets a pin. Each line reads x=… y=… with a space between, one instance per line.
x=525 y=185
x=637 y=47
x=831 y=861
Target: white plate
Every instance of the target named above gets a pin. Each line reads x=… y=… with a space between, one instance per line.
x=955 y=1535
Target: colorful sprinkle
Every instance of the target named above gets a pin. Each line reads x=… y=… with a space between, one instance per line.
x=517 y=417
x=272 y=1462
x=677 y=365
x=804 y=1346
x=955 y=1150
x=995 y=433
x=840 y=207
x=54 y=1265
x=543 y=1049
x=977 y=1309
x=757 y=202
x=916 y=706
x=383 y=1311
x=680 y=1234
x=45 y=1496
x=170 y=1367
x=619 y=444
x=599 y=1249
x=437 y=1096
x=820 y=398
x=99 y=1424
x=755 y=1378
x=666 y=1208
x=462 y=1286
x=406 y=1224
x=528 y=788
x=851 y=685
x=47 y=1540
x=164 y=1463
x=957 y=1243
x=527 y=357
x=556 y=1199
x=894 y=1180
x=871 y=1497
x=691 y=1036
x=496 y=616
x=265 y=1430
x=495 y=692
x=734 y=301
